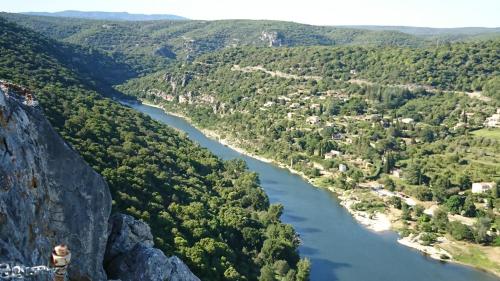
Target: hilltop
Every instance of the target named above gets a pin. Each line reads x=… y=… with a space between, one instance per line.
x=123 y=16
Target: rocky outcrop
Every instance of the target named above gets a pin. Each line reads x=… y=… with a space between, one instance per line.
x=185 y=79
x=166 y=52
x=48 y=194
x=273 y=38
x=130 y=254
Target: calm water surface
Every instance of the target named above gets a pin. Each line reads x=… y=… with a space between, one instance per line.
x=338 y=247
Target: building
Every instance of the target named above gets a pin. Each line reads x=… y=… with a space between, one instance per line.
x=342 y=168
x=312 y=120
x=396 y=173
x=407 y=120
x=493 y=121
x=332 y=154
x=480 y=187
x=269 y=104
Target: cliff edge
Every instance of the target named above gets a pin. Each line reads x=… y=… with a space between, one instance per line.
x=49 y=195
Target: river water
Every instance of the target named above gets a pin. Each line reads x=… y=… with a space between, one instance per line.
x=338 y=247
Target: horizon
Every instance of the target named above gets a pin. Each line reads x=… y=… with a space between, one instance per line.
x=235 y=19
x=390 y=13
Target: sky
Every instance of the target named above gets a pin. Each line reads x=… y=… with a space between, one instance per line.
x=429 y=13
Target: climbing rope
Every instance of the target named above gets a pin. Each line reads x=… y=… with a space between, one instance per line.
x=61 y=257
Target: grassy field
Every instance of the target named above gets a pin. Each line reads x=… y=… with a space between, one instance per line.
x=492 y=133
x=475 y=255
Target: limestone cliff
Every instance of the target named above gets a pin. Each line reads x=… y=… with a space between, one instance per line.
x=49 y=195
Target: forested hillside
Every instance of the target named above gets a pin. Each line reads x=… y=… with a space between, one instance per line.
x=351 y=109
x=454 y=67
x=351 y=117
x=211 y=213
x=461 y=66
x=145 y=43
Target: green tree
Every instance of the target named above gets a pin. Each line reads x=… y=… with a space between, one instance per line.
x=419 y=210
x=396 y=202
x=267 y=274
x=494 y=190
x=482 y=226
x=454 y=204
x=460 y=231
x=464 y=182
x=440 y=218
x=469 y=208
x=303 y=270
x=389 y=184
x=406 y=215
x=414 y=173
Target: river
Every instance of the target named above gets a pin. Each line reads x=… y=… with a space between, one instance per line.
x=339 y=248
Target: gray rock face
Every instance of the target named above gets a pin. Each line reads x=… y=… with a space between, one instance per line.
x=126 y=233
x=130 y=254
x=273 y=38
x=179 y=270
x=48 y=194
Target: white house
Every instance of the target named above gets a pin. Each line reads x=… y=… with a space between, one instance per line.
x=480 y=187
x=342 y=168
x=493 y=121
x=312 y=120
x=407 y=120
x=332 y=154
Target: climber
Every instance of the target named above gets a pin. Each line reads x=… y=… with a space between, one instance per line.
x=61 y=257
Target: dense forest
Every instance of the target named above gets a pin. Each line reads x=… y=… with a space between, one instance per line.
x=147 y=45
x=461 y=66
x=211 y=213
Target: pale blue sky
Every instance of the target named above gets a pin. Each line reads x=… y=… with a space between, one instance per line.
x=433 y=13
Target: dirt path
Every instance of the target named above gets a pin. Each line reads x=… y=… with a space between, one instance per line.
x=274 y=73
x=357 y=81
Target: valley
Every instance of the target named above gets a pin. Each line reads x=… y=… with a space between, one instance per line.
x=397 y=155
x=323 y=224
x=279 y=151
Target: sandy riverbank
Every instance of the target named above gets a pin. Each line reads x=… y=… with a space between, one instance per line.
x=377 y=222
x=434 y=252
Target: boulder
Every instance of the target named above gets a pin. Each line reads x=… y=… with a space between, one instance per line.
x=130 y=254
